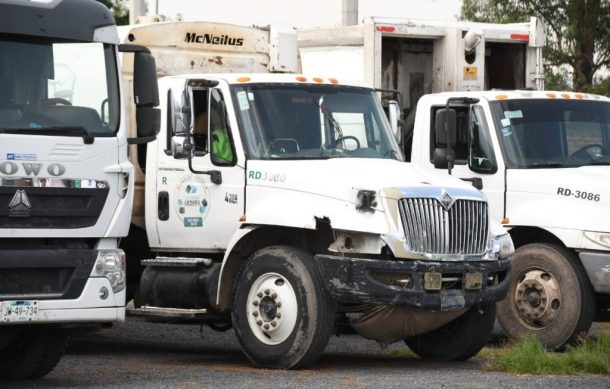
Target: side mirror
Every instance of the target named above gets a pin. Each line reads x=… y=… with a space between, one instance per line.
x=445 y=127
x=180 y=146
x=146 y=94
x=443 y=158
x=396 y=122
x=181 y=112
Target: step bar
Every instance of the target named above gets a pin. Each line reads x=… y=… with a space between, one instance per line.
x=168 y=313
x=177 y=262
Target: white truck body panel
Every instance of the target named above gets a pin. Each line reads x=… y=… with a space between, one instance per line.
x=532 y=197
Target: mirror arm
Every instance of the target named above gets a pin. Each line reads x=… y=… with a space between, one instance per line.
x=142 y=140
x=215 y=175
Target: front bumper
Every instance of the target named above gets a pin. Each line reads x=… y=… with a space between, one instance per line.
x=597 y=265
x=392 y=282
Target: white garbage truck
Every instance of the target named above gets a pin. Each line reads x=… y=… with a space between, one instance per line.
x=417 y=57
x=263 y=214
x=66 y=183
x=542 y=159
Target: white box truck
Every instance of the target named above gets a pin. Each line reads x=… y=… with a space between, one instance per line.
x=265 y=215
x=542 y=159
x=66 y=183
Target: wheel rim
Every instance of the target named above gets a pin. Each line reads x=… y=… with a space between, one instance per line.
x=538 y=298
x=272 y=308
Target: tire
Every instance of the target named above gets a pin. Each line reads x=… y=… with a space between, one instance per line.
x=33 y=353
x=549 y=295
x=459 y=339
x=282 y=313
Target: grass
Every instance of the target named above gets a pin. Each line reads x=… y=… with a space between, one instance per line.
x=528 y=356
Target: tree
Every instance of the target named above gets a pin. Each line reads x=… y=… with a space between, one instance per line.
x=578 y=32
x=121 y=14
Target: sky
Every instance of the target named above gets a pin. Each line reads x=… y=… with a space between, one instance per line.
x=301 y=13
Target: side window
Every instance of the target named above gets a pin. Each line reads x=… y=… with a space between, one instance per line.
x=461 y=144
x=222 y=150
x=481 y=157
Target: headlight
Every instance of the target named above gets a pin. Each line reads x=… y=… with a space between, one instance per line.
x=503 y=246
x=601 y=238
x=110 y=264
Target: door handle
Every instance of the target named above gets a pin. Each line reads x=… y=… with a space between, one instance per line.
x=477 y=182
x=163 y=205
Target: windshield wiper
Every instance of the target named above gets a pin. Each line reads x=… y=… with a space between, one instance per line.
x=540 y=165
x=53 y=131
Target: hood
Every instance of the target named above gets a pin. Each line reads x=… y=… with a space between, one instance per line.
x=342 y=178
x=570 y=198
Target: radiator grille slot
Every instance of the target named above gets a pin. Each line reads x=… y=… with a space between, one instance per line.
x=432 y=229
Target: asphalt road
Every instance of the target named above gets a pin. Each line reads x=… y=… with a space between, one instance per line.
x=140 y=354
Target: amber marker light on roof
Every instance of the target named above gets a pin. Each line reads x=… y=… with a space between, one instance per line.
x=501 y=97
x=243 y=79
x=506 y=221
x=565 y=95
x=301 y=78
x=318 y=79
x=551 y=95
x=333 y=80
x=579 y=96
x=242 y=218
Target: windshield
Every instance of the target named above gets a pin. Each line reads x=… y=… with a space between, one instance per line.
x=280 y=121
x=553 y=133
x=57 y=87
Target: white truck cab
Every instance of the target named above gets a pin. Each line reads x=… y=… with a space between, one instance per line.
x=280 y=204
x=66 y=183
x=542 y=160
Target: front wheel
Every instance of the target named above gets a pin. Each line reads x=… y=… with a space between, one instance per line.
x=282 y=313
x=459 y=339
x=33 y=353
x=549 y=295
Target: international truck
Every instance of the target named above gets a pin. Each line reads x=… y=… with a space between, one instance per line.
x=262 y=214
x=542 y=160
x=423 y=58
x=66 y=183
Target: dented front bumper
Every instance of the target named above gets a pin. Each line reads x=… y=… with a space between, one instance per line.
x=417 y=284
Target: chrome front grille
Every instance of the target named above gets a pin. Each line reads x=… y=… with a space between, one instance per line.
x=432 y=229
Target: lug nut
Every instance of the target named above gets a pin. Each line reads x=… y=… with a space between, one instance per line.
x=266 y=326
x=278 y=315
x=255 y=303
x=267 y=291
x=273 y=323
x=274 y=295
x=278 y=304
x=255 y=314
x=259 y=294
x=259 y=322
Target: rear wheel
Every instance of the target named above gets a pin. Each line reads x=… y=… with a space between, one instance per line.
x=33 y=353
x=282 y=313
x=549 y=296
x=459 y=339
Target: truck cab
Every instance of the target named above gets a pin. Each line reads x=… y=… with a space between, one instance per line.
x=66 y=183
x=542 y=160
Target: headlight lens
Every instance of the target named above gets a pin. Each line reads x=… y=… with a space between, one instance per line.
x=601 y=238
x=110 y=264
x=503 y=246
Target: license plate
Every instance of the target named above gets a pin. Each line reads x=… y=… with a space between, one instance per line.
x=19 y=311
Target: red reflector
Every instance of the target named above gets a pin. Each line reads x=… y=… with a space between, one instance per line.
x=520 y=37
x=386 y=28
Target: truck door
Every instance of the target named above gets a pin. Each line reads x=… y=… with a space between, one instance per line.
x=475 y=158
x=195 y=213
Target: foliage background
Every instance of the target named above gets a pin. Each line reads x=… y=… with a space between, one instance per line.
x=577 y=55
